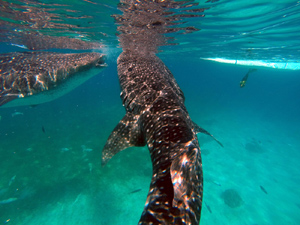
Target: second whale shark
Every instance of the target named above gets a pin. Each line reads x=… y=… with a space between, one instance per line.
x=31 y=78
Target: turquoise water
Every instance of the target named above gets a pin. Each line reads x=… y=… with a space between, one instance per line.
x=51 y=154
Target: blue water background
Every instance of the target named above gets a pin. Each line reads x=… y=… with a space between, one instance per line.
x=56 y=175
x=265 y=111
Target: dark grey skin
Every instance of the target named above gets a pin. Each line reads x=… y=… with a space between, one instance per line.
x=156 y=117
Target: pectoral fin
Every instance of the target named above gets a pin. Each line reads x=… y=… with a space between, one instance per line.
x=126 y=134
x=201 y=130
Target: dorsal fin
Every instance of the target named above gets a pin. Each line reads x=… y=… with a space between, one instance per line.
x=199 y=129
x=126 y=134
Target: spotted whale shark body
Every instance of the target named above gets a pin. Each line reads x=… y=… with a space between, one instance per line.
x=31 y=78
x=155 y=112
x=156 y=117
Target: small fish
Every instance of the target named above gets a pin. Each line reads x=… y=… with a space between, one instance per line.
x=263 y=189
x=208 y=207
x=43 y=129
x=216 y=183
x=85 y=149
x=137 y=190
x=16 y=113
x=9 y=200
x=64 y=149
x=11 y=180
x=244 y=80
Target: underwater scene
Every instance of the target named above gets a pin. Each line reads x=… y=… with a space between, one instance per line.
x=237 y=64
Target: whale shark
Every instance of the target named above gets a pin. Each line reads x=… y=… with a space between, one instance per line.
x=31 y=78
x=156 y=117
x=155 y=112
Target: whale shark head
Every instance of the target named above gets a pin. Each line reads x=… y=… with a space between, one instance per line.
x=33 y=78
